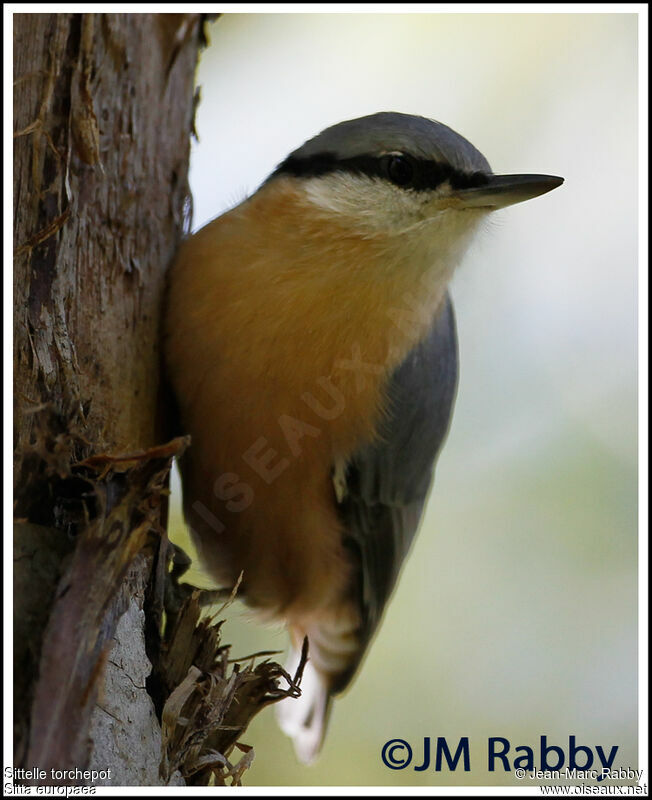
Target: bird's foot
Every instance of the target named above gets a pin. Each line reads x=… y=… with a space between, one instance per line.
x=176 y=593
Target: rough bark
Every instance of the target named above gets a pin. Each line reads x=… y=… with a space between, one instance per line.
x=103 y=109
x=104 y=679
x=103 y=114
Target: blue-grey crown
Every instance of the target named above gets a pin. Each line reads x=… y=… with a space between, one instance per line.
x=429 y=152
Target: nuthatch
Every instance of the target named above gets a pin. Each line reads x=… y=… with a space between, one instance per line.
x=311 y=346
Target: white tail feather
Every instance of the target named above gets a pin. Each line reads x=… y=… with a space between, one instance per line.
x=304 y=718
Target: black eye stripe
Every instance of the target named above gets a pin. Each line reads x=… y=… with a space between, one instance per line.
x=426 y=175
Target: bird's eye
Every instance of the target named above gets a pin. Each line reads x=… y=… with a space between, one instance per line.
x=398 y=169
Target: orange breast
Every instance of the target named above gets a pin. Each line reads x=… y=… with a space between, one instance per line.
x=279 y=345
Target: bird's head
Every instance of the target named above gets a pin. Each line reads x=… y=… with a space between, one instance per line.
x=392 y=173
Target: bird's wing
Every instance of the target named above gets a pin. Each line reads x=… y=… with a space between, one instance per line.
x=381 y=493
x=387 y=483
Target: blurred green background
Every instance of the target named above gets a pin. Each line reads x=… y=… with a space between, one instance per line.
x=516 y=613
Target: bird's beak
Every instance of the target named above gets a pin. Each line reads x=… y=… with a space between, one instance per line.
x=505 y=190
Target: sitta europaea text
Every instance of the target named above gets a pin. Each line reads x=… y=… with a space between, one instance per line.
x=311 y=345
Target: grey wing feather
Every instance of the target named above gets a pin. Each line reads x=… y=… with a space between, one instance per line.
x=387 y=483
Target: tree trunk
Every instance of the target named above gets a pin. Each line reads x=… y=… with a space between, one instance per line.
x=103 y=110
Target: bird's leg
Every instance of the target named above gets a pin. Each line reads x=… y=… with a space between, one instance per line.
x=175 y=593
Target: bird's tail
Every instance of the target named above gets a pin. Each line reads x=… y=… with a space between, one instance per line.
x=304 y=718
x=333 y=652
